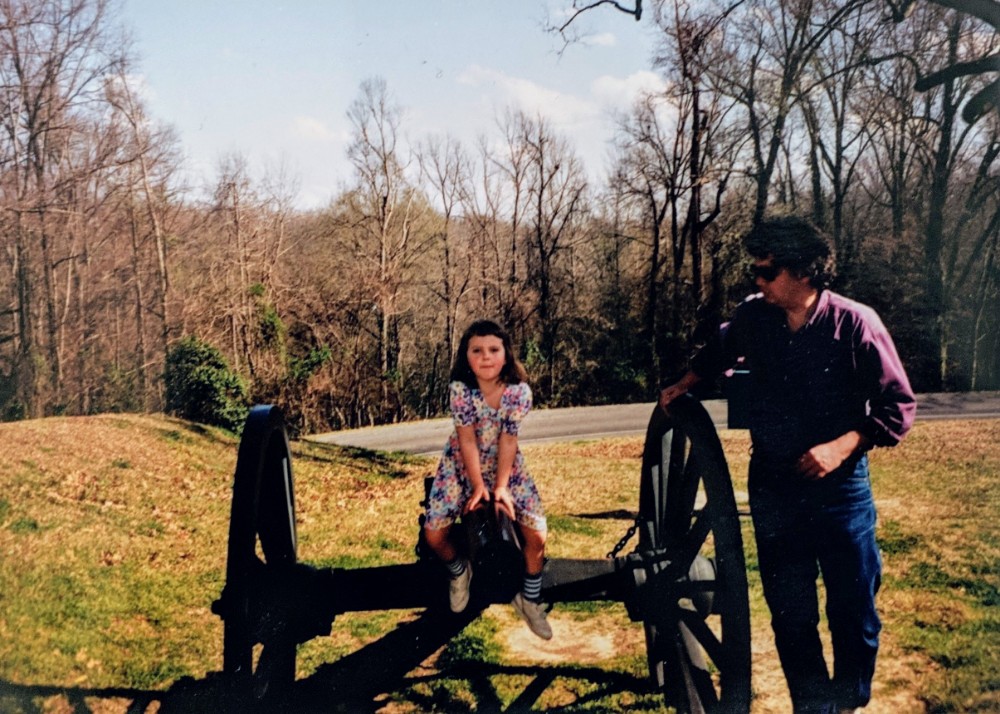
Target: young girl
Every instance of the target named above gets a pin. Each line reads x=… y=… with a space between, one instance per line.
x=482 y=462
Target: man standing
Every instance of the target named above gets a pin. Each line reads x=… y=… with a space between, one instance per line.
x=826 y=385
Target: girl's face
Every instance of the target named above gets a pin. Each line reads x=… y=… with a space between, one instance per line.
x=486 y=357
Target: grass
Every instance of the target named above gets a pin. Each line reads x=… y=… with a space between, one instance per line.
x=112 y=548
x=941 y=545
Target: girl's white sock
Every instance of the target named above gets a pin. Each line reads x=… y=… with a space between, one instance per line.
x=532 y=587
x=456 y=567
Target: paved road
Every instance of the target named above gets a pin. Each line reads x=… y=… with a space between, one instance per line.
x=428 y=437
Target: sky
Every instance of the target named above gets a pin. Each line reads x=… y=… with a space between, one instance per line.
x=272 y=81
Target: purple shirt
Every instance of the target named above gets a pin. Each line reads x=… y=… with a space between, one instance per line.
x=839 y=372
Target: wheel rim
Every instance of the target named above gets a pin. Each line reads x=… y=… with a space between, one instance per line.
x=258 y=648
x=698 y=639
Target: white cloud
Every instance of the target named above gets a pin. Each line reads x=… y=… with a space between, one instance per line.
x=603 y=39
x=139 y=84
x=621 y=92
x=586 y=116
x=529 y=96
x=312 y=128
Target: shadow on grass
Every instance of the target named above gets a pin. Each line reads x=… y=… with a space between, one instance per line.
x=31 y=698
x=357 y=682
x=386 y=463
x=187 y=432
x=619 y=515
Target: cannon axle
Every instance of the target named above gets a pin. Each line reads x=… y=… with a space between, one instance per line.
x=303 y=601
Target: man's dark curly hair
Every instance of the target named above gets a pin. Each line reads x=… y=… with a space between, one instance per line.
x=796 y=244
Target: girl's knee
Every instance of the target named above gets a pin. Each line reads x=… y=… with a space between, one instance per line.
x=533 y=539
x=435 y=536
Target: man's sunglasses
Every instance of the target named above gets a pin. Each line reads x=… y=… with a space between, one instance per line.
x=766 y=272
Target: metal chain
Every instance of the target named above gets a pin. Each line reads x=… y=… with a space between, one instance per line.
x=624 y=539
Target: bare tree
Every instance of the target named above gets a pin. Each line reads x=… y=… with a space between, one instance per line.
x=567 y=26
x=496 y=208
x=950 y=140
x=385 y=207
x=837 y=114
x=768 y=46
x=556 y=205
x=649 y=175
x=896 y=135
x=446 y=168
x=149 y=155
x=53 y=58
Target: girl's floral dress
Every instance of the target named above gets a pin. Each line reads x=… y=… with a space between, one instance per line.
x=451 y=487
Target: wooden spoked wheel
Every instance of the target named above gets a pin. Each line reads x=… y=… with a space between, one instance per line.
x=698 y=634
x=258 y=649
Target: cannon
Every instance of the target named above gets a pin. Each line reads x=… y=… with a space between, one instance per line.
x=685 y=581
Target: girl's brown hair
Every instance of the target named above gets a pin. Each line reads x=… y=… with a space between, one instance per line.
x=512 y=372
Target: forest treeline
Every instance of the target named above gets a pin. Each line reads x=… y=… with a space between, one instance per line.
x=349 y=315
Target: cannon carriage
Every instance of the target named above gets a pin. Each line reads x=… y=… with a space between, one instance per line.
x=685 y=581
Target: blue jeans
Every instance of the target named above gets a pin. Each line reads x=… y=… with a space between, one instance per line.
x=804 y=529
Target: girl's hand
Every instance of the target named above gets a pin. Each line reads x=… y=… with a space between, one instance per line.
x=479 y=496
x=503 y=501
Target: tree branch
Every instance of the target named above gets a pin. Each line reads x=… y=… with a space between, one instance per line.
x=636 y=11
x=987 y=10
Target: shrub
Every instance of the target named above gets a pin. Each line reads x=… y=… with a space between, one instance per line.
x=201 y=387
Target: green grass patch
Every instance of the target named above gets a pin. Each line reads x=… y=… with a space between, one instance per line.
x=894 y=540
x=476 y=643
x=25 y=525
x=940 y=540
x=586 y=607
x=573 y=525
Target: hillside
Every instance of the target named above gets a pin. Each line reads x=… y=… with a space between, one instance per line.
x=113 y=534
